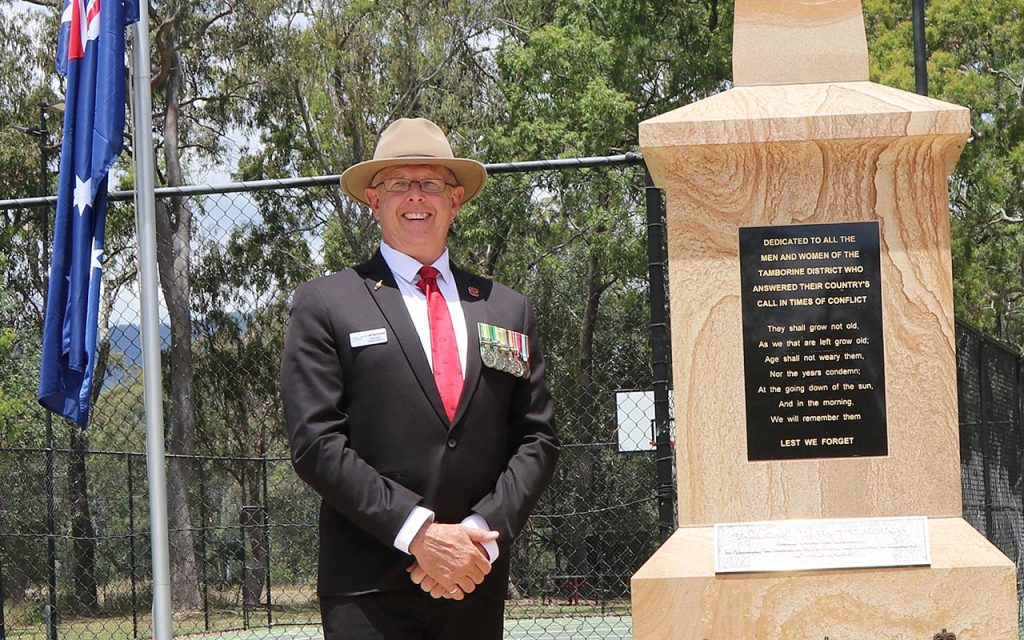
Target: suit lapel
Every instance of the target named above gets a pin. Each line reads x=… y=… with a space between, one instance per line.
x=380 y=282
x=473 y=294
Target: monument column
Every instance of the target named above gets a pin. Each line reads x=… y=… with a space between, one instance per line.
x=813 y=352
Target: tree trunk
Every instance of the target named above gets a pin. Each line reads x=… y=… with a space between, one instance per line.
x=85 y=598
x=258 y=552
x=579 y=562
x=174 y=234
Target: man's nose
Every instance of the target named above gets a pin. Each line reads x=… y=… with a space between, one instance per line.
x=414 y=192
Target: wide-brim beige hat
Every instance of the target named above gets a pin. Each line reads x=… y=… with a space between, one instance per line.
x=414 y=141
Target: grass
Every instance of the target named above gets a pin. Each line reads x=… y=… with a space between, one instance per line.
x=525 y=619
x=24 y=619
x=299 y=618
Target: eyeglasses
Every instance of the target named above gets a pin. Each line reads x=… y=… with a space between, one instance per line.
x=401 y=185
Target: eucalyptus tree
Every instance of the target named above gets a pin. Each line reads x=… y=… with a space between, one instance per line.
x=339 y=73
x=310 y=85
x=200 y=90
x=240 y=294
x=576 y=77
x=976 y=59
x=22 y=69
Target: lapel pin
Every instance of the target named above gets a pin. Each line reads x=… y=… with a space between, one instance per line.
x=473 y=291
x=380 y=283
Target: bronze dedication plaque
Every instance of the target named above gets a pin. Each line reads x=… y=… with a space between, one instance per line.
x=814 y=370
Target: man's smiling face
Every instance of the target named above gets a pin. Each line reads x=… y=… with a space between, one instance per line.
x=414 y=222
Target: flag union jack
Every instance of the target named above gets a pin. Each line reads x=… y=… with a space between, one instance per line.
x=83 y=26
x=90 y=53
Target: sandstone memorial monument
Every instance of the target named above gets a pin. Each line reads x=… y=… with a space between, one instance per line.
x=813 y=349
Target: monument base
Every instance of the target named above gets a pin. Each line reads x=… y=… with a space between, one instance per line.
x=969 y=590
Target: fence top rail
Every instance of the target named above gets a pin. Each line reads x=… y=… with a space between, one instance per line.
x=626 y=159
x=983 y=337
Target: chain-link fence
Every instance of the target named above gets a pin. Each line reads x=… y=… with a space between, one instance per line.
x=74 y=537
x=989 y=389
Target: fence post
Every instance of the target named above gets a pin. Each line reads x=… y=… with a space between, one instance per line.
x=131 y=546
x=660 y=355
x=920 y=48
x=266 y=538
x=984 y=390
x=3 y=625
x=1016 y=412
x=202 y=546
x=245 y=557
x=50 y=620
x=51 y=532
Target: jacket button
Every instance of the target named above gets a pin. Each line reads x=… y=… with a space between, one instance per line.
x=452 y=442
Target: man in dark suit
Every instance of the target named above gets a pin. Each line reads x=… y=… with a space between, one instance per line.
x=417 y=408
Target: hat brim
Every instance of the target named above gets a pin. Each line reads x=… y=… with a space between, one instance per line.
x=470 y=174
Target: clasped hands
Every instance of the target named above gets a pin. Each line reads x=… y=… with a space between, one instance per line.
x=450 y=559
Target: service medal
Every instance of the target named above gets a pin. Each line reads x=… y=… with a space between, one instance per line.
x=504 y=350
x=503 y=362
x=488 y=357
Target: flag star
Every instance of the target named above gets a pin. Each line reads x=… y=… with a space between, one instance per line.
x=97 y=259
x=83 y=194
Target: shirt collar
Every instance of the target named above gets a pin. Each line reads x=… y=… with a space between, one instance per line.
x=408 y=268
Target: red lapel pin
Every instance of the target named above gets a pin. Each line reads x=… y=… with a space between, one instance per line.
x=473 y=291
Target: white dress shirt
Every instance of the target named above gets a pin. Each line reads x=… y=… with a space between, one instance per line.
x=406 y=270
x=407 y=274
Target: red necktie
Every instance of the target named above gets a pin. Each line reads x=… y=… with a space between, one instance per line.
x=444 y=351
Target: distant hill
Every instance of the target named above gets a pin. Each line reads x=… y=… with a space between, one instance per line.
x=126 y=339
x=126 y=342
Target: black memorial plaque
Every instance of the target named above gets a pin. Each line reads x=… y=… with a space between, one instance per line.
x=812 y=341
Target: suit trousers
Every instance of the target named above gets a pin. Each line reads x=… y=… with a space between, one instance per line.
x=412 y=615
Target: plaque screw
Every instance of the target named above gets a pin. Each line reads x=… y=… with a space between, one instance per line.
x=944 y=635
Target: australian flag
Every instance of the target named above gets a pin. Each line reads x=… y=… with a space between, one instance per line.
x=90 y=53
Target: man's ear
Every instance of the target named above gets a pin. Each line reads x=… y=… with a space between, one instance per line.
x=372 y=199
x=458 y=192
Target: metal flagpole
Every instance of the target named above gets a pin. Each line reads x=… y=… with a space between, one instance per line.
x=145 y=220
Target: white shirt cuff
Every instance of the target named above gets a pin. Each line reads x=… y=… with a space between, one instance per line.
x=418 y=517
x=477 y=521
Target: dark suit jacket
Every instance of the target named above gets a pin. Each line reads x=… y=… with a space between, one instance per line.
x=369 y=433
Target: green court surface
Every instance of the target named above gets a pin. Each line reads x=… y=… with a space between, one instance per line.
x=589 y=628
x=582 y=628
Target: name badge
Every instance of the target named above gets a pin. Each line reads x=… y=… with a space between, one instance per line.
x=366 y=338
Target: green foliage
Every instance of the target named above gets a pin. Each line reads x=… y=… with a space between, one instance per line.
x=19 y=366
x=306 y=88
x=309 y=87
x=976 y=60
x=21 y=73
